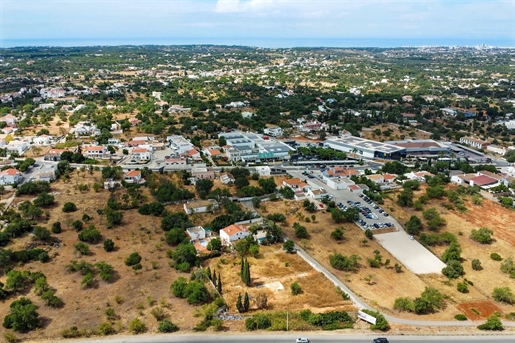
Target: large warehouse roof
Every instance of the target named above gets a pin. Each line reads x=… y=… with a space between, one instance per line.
x=365 y=144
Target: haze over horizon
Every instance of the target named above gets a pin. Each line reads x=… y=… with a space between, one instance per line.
x=265 y=23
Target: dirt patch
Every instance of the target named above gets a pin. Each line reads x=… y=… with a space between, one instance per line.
x=478 y=310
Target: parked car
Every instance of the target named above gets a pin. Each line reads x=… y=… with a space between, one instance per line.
x=302 y=340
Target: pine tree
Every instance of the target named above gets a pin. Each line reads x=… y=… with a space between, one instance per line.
x=239 y=305
x=246 y=302
x=219 y=285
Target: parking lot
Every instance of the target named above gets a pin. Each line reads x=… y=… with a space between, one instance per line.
x=372 y=216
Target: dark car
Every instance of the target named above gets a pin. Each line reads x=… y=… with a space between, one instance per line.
x=380 y=340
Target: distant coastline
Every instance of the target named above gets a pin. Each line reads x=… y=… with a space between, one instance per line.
x=260 y=42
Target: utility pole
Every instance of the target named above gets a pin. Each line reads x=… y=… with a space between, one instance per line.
x=287 y=321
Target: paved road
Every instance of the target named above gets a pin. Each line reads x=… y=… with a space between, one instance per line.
x=318 y=337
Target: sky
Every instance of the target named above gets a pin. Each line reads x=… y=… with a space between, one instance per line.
x=266 y=23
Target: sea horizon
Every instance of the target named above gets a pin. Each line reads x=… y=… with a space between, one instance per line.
x=262 y=42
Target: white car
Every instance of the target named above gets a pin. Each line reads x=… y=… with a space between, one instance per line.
x=302 y=340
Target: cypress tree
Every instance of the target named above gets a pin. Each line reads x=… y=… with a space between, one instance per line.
x=247 y=274
x=209 y=273
x=246 y=302
x=219 y=284
x=239 y=306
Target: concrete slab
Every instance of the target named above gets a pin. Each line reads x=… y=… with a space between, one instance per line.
x=411 y=253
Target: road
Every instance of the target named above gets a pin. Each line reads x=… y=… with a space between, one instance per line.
x=318 y=337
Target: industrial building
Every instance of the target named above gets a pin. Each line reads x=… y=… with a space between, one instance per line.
x=422 y=147
x=365 y=148
x=251 y=147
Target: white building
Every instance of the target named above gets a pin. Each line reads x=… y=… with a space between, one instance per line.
x=9 y=176
x=95 y=151
x=263 y=171
x=196 y=233
x=179 y=144
x=496 y=149
x=42 y=140
x=141 y=154
x=233 y=233
x=273 y=131
x=18 y=147
x=474 y=142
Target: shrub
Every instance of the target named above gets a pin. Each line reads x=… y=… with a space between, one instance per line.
x=166 y=326
x=108 y=245
x=133 y=259
x=105 y=329
x=90 y=235
x=503 y=294
x=476 y=264
x=462 y=287
x=258 y=322
x=453 y=270
x=460 y=316
x=495 y=256
x=22 y=316
x=56 y=227
x=340 y=262
x=69 y=207
x=82 y=248
x=381 y=322
x=73 y=332
x=493 y=323
x=136 y=326
x=413 y=225
x=289 y=246
x=295 y=288
x=508 y=267
x=483 y=235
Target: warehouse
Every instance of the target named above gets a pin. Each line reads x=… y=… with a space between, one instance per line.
x=365 y=147
x=251 y=147
x=422 y=147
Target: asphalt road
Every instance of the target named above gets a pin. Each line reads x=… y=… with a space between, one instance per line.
x=290 y=338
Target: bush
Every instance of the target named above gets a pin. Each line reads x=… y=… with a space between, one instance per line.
x=462 y=287
x=136 y=326
x=493 y=323
x=175 y=236
x=56 y=227
x=503 y=294
x=105 y=329
x=258 y=322
x=453 y=270
x=133 y=259
x=460 y=316
x=69 y=207
x=483 y=235
x=495 y=256
x=90 y=235
x=166 y=326
x=295 y=288
x=109 y=245
x=289 y=246
x=22 y=316
x=82 y=248
x=413 y=225
x=340 y=262
x=476 y=264
x=381 y=322
x=508 y=267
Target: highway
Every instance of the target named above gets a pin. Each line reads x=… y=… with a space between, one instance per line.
x=314 y=337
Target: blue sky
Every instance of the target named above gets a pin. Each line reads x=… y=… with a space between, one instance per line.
x=285 y=22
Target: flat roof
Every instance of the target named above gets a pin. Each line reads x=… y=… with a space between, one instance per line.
x=366 y=144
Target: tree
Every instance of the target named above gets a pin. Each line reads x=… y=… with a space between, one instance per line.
x=81 y=248
x=41 y=234
x=369 y=234
x=289 y=246
x=405 y=198
x=413 y=225
x=246 y=302
x=268 y=185
x=178 y=220
x=90 y=235
x=239 y=304
x=453 y=270
x=256 y=202
x=340 y=262
x=452 y=253
x=44 y=200
x=483 y=235
x=175 y=236
x=56 y=227
x=185 y=256
x=337 y=234
x=503 y=294
x=69 y=207
x=109 y=245
x=295 y=288
x=507 y=202
x=114 y=218
x=203 y=187
x=166 y=326
x=287 y=192
x=22 y=316
x=262 y=300
x=300 y=231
